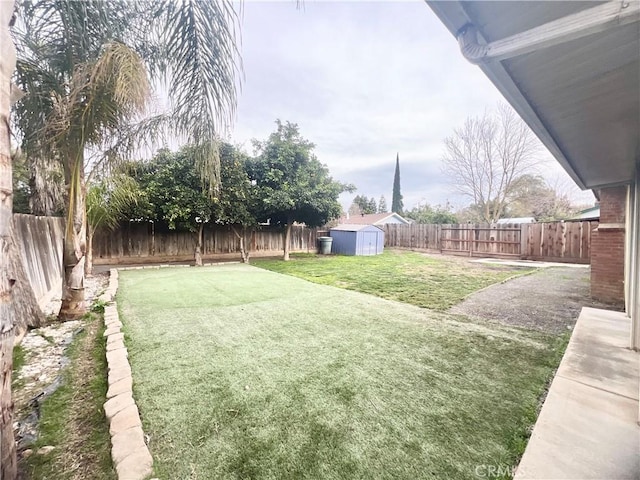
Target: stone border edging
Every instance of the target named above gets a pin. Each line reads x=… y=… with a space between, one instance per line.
x=168 y=265
x=129 y=451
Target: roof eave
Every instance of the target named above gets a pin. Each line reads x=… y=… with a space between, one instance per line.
x=500 y=77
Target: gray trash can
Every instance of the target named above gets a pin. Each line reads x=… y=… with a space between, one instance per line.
x=325 y=245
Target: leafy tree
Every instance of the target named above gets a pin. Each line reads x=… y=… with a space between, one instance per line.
x=531 y=195
x=354 y=210
x=293 y=186
x=174 y=196
x=382 y=205
x=373 y=205
x=396 y=201
x=236 y=203
x=426 y=214
x=84 y=68
x=364 y=205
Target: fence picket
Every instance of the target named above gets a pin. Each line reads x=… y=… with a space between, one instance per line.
x=139 y=242
x=554 y=241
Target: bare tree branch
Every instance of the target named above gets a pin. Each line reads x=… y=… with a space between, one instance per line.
x=487 y=155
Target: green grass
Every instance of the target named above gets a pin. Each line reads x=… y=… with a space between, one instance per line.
x=18 y=358
x=72 y=418
x=244 y=373
x=431 y=282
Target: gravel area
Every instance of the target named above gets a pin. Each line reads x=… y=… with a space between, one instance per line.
x=548 y=300
x=44 y=350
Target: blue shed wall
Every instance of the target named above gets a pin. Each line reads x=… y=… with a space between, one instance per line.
x=344 y=243
x=368 y=241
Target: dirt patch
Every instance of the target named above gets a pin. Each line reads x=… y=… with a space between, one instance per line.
x=549 y=300
x=40 y=375
x=74 y=458
x=45 y=357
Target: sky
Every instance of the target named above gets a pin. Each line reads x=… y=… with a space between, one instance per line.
x=366 y=81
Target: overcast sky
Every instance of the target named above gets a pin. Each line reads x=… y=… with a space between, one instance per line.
x=364 y=81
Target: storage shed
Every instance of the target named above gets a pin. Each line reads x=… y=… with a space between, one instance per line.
x=357 y=240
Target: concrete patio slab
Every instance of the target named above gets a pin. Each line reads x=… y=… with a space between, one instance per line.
x=598 y=354
x=588 y=426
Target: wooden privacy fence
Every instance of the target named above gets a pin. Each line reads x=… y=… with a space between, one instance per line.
x=568 y=241
x=139 y=243
x=558 y=241
x=481 y=239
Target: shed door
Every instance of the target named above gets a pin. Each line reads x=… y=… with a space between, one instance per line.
x=369 y=242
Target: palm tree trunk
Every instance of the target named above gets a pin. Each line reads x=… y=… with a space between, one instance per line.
x=75 y=246
x=287 y=239
x=8 y=469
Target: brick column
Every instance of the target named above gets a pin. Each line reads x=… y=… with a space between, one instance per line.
x=607 y=248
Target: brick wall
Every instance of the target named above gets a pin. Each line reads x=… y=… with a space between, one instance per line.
x=607 y=248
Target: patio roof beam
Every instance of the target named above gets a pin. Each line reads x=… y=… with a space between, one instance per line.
x=572 y=27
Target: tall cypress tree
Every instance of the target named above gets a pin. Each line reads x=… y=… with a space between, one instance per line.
x=382 y=205
x=396 y=202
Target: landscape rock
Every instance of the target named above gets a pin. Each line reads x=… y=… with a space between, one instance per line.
x=117 y=404
x=136 y=466
x=118 y=374
x=125 y=419
x=117 y=355
x=118 y=363
x=111 y=331
x=115 y=345
x=115 y=337
x=113 y=324
x=125 y=442
x=46 y=450
x=121 y=386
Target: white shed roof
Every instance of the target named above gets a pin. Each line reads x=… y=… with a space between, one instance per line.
x=354 y=227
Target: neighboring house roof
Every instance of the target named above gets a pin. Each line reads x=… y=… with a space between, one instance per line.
x=517 y=220
x=592 y=213
x=374 y=219
x=353 y=228
x=570 y=69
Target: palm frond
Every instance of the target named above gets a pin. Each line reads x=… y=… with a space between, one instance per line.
x=129 y=140
x=104 y=95
x=206 y=156
x=109 y=199
x=202 y=65
x=74 y=31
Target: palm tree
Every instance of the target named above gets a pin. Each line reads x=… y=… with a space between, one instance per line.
x=84 y=68
x=7 y=65
x=191 y=43
x=102 y=95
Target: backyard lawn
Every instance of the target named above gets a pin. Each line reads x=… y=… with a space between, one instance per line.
x=242 y=373
x=430 y=281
